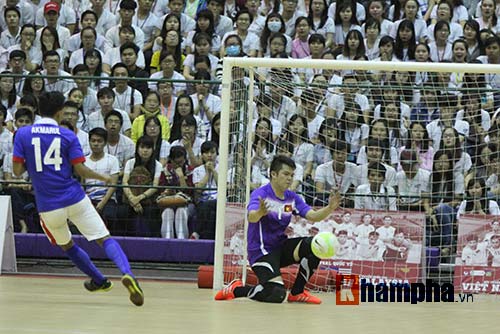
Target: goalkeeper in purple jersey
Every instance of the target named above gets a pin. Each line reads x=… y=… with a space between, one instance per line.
x=269 y=212
x=50 y=153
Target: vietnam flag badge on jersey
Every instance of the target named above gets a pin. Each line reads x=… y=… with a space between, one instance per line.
x=288 y=208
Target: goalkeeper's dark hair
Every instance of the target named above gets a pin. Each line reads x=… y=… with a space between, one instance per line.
x=279 y=161
x=50 y=103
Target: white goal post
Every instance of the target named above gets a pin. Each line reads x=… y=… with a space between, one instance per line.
x=230 y=63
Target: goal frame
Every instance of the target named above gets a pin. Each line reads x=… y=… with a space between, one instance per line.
x=230 y=62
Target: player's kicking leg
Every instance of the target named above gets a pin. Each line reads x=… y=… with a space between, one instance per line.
x=54 y=224
x=115 y=253
x=90 y=224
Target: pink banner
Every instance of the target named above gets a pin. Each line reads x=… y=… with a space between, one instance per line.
x=477 y=265
x=379 y=246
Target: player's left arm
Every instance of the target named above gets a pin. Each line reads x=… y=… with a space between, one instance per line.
x=87 y=173
x=109 y=192
x=323 y=213
x=18 y=162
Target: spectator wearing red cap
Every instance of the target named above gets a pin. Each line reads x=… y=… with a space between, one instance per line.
x=52 y=18
x=66 y=16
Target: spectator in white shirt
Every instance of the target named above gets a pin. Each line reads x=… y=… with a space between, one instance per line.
x=477 y=201
x=413 y=182
x=127 y=11
x=374 y=195
x=205 y=104
x=27 y=14
x=66 y=16
x=118 y=145
x=338 y=173
x=11 y=36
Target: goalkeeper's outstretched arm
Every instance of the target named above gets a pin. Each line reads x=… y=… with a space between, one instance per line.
x=333 y=204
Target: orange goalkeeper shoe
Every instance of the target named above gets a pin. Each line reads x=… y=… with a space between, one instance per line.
x=228 y=292
x=304 y=297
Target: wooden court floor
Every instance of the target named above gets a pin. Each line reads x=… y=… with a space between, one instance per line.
x=54 y=305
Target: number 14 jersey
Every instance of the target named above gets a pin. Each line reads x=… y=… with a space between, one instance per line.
x=48 y=152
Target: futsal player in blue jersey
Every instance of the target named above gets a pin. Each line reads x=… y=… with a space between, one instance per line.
x=50 y=154
x=269 y=212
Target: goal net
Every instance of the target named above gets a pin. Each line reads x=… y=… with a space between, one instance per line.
x=412 y=148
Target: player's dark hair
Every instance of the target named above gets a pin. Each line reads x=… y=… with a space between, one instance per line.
x=114 y=113
x=100 y=132
x=24 y=112
x=279 y=161
x=342 y=232
x=50 y=103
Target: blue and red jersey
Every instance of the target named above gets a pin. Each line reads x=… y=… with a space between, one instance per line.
x=49 y=152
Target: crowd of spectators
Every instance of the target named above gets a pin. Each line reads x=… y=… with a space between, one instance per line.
x=415 y=141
